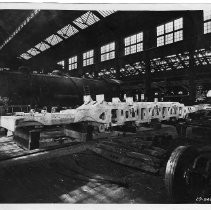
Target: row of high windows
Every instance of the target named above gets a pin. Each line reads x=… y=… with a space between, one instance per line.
x=133 y=44
x=170 y=32
x=167 y=33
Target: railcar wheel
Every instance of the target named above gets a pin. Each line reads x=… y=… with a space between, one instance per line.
x=101 y=128
x=177 y=170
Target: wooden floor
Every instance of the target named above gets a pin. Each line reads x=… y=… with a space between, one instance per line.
x=81 y=178
x=58 y=176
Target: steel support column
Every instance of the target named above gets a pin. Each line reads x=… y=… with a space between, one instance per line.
x=66 y=64
x=192 y=77
x=148 y=79
x=191 y=23
x=119 y=50
x=79 y=65
x=97 y=62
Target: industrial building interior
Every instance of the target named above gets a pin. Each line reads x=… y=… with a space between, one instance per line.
x=105 y=106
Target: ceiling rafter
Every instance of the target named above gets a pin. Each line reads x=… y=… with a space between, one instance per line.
x=32 y=15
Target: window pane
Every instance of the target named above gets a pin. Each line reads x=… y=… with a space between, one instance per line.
x=107 y=51
x=61 y=63
x=140 y=37
x=102 y=57
x=133 y=43
x=102 y=49
x=139 y=47
x=178 y=36
x=173 y=32
x=42 y=46
x=207 y=14
x=133 y=39
x=105 y=48
x=33 y=51
x=105 y=13
x=127 y=50
x=207 y=27
x=133 y=48
x=160 y=41
x=88 y=58
x=73 y=63
x=112 y=55
x=169 y=38
x=160 y=30
x=112 y=46
x=53 y=39
x=67 y=31
x=86 y=20
x=178 y=24
x=169 y=27
x=127 y=41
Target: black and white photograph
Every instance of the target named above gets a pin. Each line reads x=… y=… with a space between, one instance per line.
x=105 y=103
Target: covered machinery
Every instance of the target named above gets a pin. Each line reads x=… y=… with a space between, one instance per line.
x=51 y=89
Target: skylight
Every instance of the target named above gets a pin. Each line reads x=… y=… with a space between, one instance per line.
x=67 y=31
x=42 y=46
x=86 y=20
x=53 y=39
x=33 y=51
x=106 y=13
x=82 y=22
x=61 y=63
x=25 y=56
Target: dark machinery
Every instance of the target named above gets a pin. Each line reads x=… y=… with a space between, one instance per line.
x=51 y=89
x=188 y=175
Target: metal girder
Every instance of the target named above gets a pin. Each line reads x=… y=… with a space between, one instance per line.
x=109 y=73
x=19 y=27
x=181 y=61
x=134 y=69
x=154 y=65
x=204 y=56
